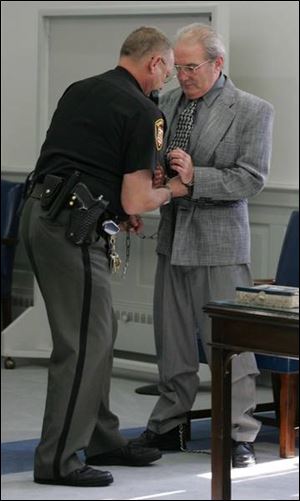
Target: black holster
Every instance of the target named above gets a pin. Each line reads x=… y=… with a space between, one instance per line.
x=84 y=215
x=83 y=222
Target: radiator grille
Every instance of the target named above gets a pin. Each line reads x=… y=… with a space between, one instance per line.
x=138 y=317
x=134 y=316
x=22 y=301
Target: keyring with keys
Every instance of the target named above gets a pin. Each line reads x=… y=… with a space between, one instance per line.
x=113 y=256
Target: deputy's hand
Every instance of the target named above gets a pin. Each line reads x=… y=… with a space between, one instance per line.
x=158 y=177
x=181 y=162
x=134 y=224
x=177 y=188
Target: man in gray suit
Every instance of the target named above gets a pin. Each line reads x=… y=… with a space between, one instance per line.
x=219 y=142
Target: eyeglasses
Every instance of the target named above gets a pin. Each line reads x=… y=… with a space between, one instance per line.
x=190 y=69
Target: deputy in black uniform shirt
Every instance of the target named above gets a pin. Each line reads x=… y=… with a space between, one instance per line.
x=107 y=133
x=104 y=127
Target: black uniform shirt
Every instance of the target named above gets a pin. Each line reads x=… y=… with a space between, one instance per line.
x=105 y=127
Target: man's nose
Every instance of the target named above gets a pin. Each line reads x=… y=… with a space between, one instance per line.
x=182 y=76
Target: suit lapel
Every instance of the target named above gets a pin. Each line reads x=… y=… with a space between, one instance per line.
x=220 y=119
x=202 y=146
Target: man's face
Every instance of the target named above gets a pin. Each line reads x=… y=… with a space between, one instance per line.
x=165 y=69
x=196 y=73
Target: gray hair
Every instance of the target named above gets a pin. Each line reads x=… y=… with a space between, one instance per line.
x=145 y=40
x=203 y=35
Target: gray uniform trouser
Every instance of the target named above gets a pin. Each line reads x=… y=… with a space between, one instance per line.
x=179 y=296
x=75 y=284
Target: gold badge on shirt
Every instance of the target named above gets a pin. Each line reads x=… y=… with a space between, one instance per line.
x=159 y=133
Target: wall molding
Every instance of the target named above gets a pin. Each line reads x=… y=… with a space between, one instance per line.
x=11 y=172
x=268 y=212
x=281 y=187
x=217 y=13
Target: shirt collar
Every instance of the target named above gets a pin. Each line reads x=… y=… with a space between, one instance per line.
x=129 y=76
x=210 y=97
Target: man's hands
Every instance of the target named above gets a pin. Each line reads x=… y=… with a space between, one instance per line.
x=181 y=162
x=142 y=192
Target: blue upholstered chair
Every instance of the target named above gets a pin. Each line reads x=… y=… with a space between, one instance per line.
x=11 y=196
x=285 y=371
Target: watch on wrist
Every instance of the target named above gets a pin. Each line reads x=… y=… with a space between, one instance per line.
x=189 y=186
x=191 y=182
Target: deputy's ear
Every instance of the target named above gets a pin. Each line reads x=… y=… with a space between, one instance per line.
x=153 y=62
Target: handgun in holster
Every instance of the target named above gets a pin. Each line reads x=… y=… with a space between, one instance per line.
x=84 y=215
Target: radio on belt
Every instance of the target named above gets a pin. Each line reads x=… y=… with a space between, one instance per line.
x=110 y=227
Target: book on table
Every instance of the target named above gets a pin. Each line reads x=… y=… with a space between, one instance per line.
x=268 y=296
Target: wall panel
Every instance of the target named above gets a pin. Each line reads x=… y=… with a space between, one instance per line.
x=29 y=334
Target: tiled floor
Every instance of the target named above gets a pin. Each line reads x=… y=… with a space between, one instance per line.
x=175 y=476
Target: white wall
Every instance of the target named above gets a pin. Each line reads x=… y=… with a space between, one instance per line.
x=263 y=60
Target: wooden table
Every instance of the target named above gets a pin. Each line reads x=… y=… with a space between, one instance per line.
x=236 y=329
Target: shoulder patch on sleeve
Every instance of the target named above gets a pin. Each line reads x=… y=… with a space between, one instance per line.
x=159 y=133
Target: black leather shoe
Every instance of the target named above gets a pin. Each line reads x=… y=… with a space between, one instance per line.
x=128 y=455
x=173 y=440
x=242 y=454
x=83 y=477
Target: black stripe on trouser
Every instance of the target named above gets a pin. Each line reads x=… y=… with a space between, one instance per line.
x=81 y=358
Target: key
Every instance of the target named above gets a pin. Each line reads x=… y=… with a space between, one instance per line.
x=115 y=262
x=114 y=258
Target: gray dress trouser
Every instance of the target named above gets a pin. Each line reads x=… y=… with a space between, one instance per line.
x=75 y=284
x=179 y=296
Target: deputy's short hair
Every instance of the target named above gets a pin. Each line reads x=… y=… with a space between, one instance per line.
x=145 y=40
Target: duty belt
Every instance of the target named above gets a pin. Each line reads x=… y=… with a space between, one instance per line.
x=37 y=191
x=88 y=214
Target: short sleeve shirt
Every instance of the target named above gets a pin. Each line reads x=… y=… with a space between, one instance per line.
x=105 y=127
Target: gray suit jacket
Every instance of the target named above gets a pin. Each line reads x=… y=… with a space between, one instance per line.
x=231 y=158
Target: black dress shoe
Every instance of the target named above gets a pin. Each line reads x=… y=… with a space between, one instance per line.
x=242 y=454
x=83 y=477
x=128 y=455
x=173 y=440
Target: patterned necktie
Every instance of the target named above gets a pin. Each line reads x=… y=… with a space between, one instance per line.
x=183 y=132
